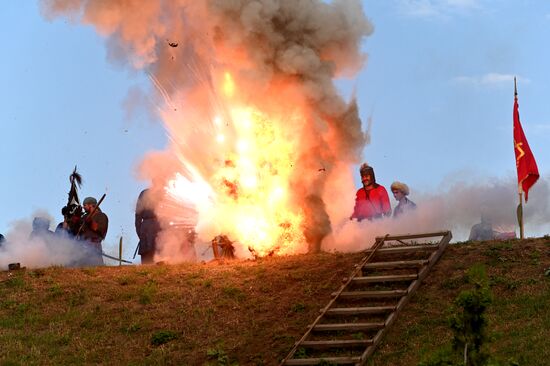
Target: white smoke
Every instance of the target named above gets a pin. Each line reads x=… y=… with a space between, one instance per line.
x=40 y=251
x=456 y=207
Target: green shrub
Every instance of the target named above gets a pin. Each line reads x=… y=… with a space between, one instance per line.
x=219 y=355
x=147 y=293
x=469 y=325
x=163 y=336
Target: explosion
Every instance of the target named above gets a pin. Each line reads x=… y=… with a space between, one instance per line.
x=259 y=137
x=247 y=195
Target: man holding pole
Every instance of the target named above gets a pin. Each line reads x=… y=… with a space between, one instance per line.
x=528 y=173
x=94 y=228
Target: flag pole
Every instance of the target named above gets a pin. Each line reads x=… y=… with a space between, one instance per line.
x=520 y=215
x=519 y=210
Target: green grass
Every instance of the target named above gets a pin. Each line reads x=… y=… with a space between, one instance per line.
x=518 y=317
x=252 y=312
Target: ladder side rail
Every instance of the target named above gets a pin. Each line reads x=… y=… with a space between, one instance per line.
x=379 y=242
x=416 y=236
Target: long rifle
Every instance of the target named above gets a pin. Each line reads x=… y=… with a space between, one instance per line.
x=119 y=259
x=91 y=214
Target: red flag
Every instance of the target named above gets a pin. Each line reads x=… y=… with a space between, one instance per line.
x=528 y=173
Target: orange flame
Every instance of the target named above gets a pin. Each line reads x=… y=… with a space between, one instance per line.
x=247 y=198
x=228 y=85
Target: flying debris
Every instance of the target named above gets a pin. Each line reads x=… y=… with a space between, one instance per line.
x=172 y=44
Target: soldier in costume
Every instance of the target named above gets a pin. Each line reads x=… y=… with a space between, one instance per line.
x=400 y=192
x=147 y=226
x=371 y=201
x=94 y=228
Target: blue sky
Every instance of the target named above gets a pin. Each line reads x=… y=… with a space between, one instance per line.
x=437 y=82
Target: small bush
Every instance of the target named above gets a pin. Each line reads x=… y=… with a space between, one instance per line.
x=469 y=325
x=147 y=293
x=301 y=353
x=78 y=297
x=298 y=308
x=132 y=328
x=37 y=273
x=233 y=293
x=125 y=280
x=90 y=271
x=55 y=291
x=15 y=282
x=219 y=355
x=163 y=336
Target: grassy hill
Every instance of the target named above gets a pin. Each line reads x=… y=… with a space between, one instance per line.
x=251 y=312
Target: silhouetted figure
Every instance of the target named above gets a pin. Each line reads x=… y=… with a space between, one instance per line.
x=483 y=230
x=147 y=226
x=70 y=224
x=41 y=229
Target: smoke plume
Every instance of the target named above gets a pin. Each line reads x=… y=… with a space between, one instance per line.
x=41 y=249
x=282 y=57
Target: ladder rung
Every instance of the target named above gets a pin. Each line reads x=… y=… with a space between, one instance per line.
x=348 y=326
x=371 y=294
x=406 y=249
x=315 y=361
x=397 y=264
x=390 y=278
x=413 y=236
x=360 y=310
x=337 y=343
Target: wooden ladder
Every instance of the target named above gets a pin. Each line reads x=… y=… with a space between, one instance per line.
x=354 y=321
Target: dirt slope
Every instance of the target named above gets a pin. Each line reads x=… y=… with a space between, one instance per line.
x=251 y=312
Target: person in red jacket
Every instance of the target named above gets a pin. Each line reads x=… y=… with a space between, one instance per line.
x=371 y=201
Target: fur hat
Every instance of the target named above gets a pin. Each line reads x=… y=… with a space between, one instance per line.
x=398 y=186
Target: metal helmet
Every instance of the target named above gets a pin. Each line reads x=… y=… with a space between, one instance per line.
x=366 y=169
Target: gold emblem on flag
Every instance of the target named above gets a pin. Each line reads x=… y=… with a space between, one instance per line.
x=521 y=152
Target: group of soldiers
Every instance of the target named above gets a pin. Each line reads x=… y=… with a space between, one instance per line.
x=85 y=225
x=372 y=200
x=88 y=224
